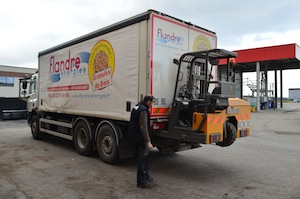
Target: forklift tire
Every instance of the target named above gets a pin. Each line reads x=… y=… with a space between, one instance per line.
x=231 y=135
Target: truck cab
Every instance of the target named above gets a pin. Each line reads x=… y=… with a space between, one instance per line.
x=28 y=92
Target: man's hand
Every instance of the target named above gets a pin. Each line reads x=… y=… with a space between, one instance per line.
x=150 y=146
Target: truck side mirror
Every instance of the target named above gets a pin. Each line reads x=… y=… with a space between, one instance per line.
x=175 y=61
x=24 y=85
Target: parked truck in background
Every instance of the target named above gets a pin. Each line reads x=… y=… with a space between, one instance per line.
x=85 y=88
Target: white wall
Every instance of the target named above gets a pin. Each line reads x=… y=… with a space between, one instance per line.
x=9 y=91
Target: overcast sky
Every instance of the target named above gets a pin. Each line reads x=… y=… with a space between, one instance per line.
x=28 y=27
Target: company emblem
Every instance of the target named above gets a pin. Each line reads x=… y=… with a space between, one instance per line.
x=101 y=65
x=201 y=43
x=71 y=66
x=169 y=38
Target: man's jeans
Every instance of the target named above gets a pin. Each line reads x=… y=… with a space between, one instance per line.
x=142 y=164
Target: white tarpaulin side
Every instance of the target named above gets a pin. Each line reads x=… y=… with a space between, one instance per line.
x=297 y=52
x=170 y=39
x=98 y=77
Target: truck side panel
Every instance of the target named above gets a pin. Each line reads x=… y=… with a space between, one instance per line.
x=98 y=77
x=144 y=59
x=170 y=39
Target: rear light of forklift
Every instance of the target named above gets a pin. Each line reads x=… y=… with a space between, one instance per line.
x=216 y=137
x=243 y=127
x=159 y=126
x=244 y=133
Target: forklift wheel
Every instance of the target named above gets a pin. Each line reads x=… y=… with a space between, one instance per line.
x=231 y=135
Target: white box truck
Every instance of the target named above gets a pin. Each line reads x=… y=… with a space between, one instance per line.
x=85 y=88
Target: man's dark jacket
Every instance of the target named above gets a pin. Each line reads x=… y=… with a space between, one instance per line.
x=135 y=134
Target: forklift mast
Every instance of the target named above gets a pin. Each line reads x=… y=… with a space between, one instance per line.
x=199 y=66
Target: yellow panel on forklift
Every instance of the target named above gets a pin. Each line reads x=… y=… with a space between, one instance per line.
x=214 y=124
x=241 y=110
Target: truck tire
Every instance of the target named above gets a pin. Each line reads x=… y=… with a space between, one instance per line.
x=107 y=144
x=82 y=138
x=35 y=129
x=231 y=135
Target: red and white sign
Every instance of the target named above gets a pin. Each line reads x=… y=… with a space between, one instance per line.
x=102 y=79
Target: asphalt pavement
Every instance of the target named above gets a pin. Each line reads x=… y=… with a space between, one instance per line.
x=264 y=165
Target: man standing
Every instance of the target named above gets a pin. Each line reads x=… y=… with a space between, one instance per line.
x=140 y=129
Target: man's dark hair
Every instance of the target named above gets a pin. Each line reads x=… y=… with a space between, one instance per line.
x=148 y=98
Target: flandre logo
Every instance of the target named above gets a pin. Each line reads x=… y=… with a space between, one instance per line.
x=101 y=65
x=70 y=66
x=169 y=38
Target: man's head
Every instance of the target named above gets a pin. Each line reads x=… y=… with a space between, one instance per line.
x=148 y=100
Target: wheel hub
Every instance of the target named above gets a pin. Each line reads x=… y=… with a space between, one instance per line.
x=107 y=144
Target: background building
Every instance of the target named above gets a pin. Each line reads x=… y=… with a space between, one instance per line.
x=11 y=107
x=294 y=93
x=9 y=79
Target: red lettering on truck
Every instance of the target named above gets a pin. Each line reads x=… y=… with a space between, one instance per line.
x=64 y=65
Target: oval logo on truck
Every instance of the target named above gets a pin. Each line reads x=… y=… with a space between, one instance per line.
x=201 y=43
x=101 y=65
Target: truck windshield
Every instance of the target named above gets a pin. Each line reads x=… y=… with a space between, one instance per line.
x=32 y=87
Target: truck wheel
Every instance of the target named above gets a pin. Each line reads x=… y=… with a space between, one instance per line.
x=35 y=130
x=107 y=144
x=231 y=135
x=82 y=139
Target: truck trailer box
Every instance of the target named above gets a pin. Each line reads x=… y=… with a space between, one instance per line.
x=105 y=73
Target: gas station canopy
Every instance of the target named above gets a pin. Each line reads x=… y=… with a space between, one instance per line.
x=264 y=59
x=276 y=57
